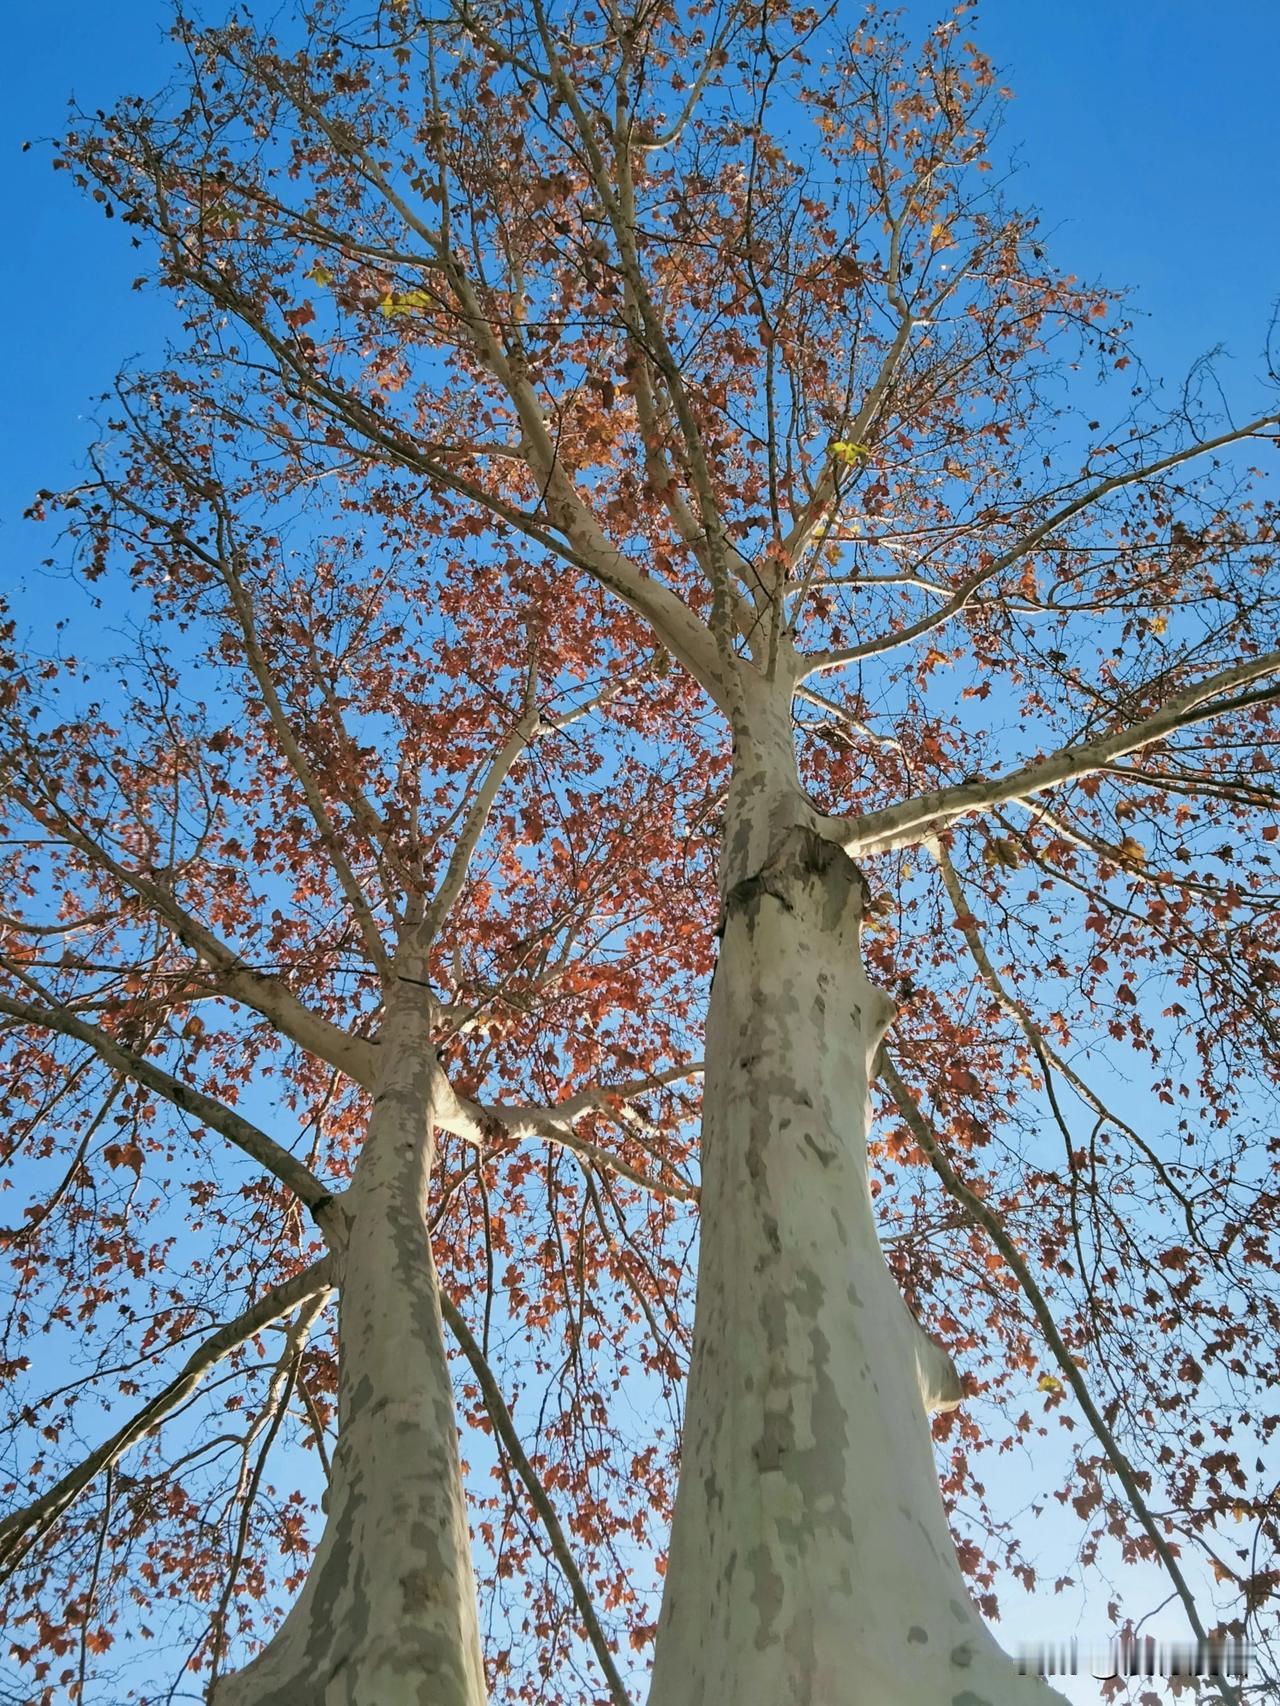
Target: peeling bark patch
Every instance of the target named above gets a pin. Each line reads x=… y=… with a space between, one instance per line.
x=969 y=1698
x=800 y=1649
x=418 y=1586
x=825 y=1156
x=928 y=1538
x=757 y=1172
x=766 y=1596
x=774 y=1441
x=918 y=1636
x=711 y=1492
x=962 y=1656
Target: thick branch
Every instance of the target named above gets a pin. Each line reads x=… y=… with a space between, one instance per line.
x=906 y=824
x=482 y=1125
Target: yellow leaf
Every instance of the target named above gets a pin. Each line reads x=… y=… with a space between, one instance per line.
x=940 y=236
x=221 y=214
x=877 y=908
x=403 y=302
x=320 y=273
x=1157 y=624
x=848 y=452
x=1001 y=852
x=1050 y=1383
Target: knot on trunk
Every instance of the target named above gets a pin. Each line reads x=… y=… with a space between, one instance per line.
x=803 y=864
x=333 y=1217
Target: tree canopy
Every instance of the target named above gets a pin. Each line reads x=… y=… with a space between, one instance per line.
x=548 y=384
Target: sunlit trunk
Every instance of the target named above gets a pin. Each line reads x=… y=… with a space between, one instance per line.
x=811 y=1559
x=387 y=1616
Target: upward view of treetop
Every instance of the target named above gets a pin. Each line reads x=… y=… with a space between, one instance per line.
x=638 y=919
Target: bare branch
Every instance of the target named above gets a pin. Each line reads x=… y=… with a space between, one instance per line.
x=965 y=592
x=22 y=1528
x=1049 y=1057
x=505 y=1428
x=247 y=1137
x=976 y=1208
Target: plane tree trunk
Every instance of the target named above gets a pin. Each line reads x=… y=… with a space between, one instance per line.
x=387 y=1615
x=811 y=1559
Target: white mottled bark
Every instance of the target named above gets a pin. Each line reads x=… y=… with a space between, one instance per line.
x=810 y=1563
x=811 y=1560
x=387 y=1616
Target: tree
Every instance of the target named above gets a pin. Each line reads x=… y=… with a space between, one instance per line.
x=620 y=505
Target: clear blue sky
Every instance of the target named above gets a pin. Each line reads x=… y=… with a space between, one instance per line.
x=1145 y=129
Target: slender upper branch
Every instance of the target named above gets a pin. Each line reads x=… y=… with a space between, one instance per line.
x=265 y=994
x=674 y=623
x=500 y=767
x=968 y=588
x=809 y=524
x=242 y=604
x=720 y=552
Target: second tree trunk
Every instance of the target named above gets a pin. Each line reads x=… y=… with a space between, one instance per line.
x=387 y=1615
